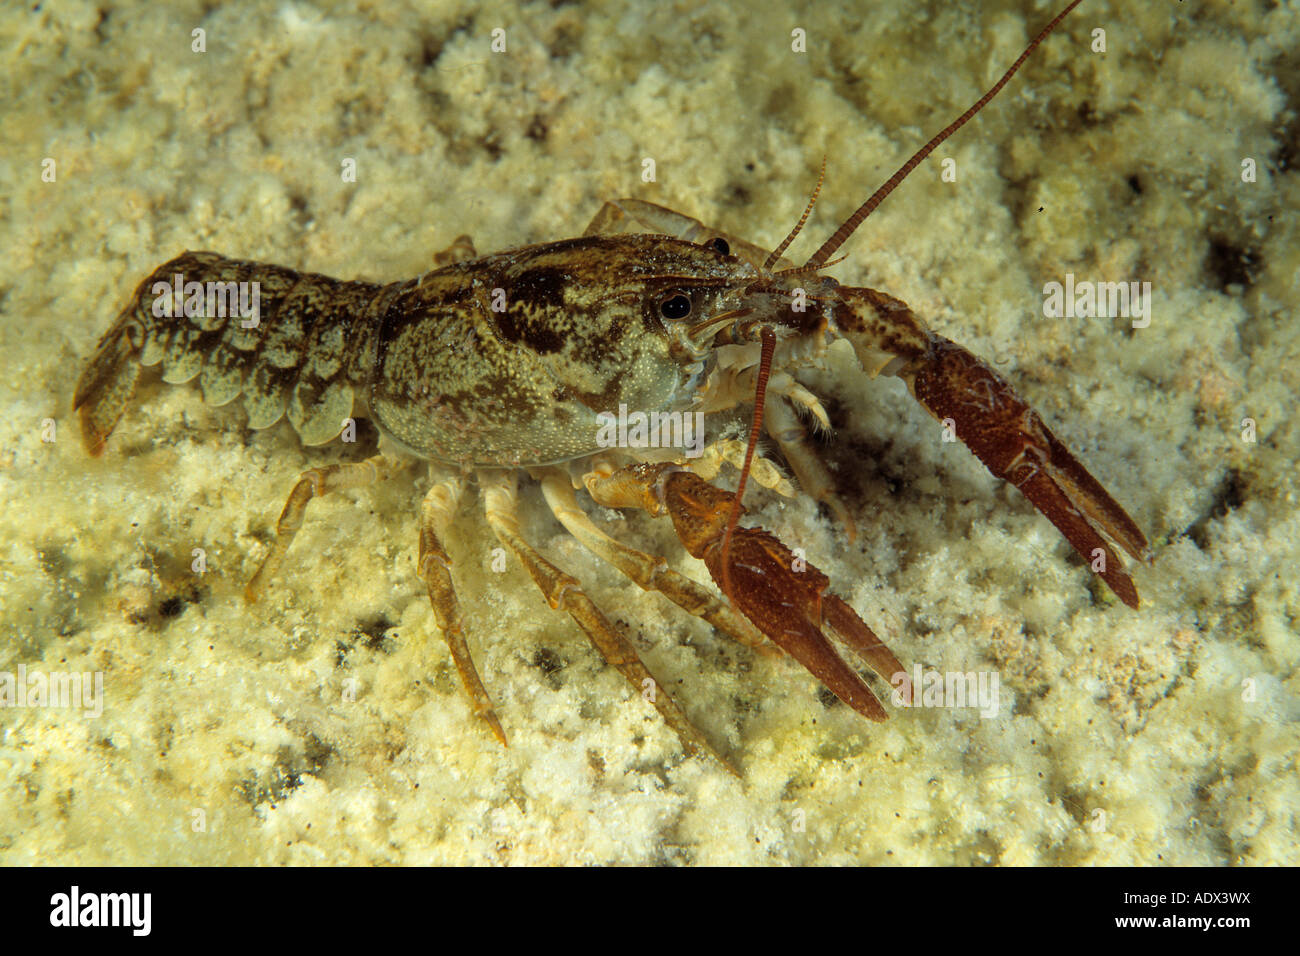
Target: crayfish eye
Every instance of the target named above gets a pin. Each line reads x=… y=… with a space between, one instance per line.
x=676 y=306
x=719 y=245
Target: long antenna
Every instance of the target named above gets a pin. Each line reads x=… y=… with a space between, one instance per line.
x=760 y=397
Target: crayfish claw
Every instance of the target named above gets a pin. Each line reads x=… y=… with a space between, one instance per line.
x=781 y=593
x=1015 y=444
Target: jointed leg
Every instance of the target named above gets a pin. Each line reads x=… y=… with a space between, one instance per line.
x=650 y=572
x=311 y=484
x=616 y=215
x=460 y=250
x=436 y=511
x=788 y=432
x=762 y=472
x=563 y=592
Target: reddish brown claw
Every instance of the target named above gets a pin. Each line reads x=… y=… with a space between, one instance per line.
x=1013 y=442
x=782 y=594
